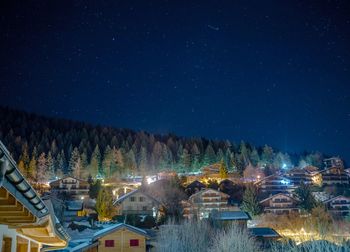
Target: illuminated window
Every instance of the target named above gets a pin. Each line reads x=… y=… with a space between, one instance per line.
x=134 y=243
x=109 y=243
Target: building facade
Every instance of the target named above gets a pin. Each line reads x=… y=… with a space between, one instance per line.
x=73 y=187
x=274 y=184
x=137 y=202
x=280 y=204
x=334 y=176
x=202 y=203
x=338 y=206
x=333 y=162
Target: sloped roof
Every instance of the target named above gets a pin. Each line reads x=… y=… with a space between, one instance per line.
x=336 y=197
x=230 y=215
x=278 y=194
x=264 y=232
x=206 y=190
x=272 y=176
x=55 y=182
x=129 y=194
x=74 y=205
x=14 y=182
x=116 y=227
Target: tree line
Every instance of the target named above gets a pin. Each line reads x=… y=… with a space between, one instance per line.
x=47 y=147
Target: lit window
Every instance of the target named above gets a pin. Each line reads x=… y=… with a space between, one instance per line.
x=134 y=243
x=109 y=243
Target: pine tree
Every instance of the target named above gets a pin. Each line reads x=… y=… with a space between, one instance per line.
x=104 y=205
x=254 y=157
x=74 y=165
x=143 y=161
x=250 y=200
x=50 y=165
x=267 y=155
x=61 y=163
x=209 y=156
x=223 y=169
x=307 y=200
x=107 y=162
x=41 y=174
x=95 y=161
x=23 y=163
x=185 y=160
x=31 y=172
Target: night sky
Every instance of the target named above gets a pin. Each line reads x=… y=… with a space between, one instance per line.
x=274 y=72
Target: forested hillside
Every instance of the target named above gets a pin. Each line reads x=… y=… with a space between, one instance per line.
x=47 y=147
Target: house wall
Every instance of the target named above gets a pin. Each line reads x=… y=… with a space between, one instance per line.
x=137 y=206
x=121 y=240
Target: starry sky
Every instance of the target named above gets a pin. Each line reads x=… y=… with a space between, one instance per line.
x=267 y=72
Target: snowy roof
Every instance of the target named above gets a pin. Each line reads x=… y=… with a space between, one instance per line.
x=127 y=195
x=115 y=227
x=337 y=197
x=278 y=194
x=264 y=232
x=74 y=205
x=231 y=215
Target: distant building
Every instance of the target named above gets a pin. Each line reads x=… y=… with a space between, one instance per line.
x=264 y=235
x=226 y=218
x=213 y=169
x=297 y=175
x=280 y=204
x=74 y=210
x=338 y=206
x=334 y=176
x=274 y=184
x=74 y=187
x=27 y=222
x=333 y=162
x=202 y=203
x=138 y=202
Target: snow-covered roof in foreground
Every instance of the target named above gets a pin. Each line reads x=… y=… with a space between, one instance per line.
x=115 y=227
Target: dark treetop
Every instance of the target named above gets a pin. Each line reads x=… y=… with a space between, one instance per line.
x=274 y=72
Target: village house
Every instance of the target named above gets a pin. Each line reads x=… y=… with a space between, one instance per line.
x=280 y=204
x=27 y=223
x=333 y=162
x=202 y=203
x=137 y=202
x=116 y=237
x=74 y=210
x=297 y=175
x=274 y=184
x=121 y=237
x=227 y=218
x=338 y=206
x=334 y=176
x=73 y=187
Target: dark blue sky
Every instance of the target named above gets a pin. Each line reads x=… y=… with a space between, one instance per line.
x=274 y=72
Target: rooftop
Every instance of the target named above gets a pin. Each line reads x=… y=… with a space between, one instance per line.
x=231 y=215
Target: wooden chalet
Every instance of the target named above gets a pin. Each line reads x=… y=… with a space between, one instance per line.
x=27 y=223
x=280 y=204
